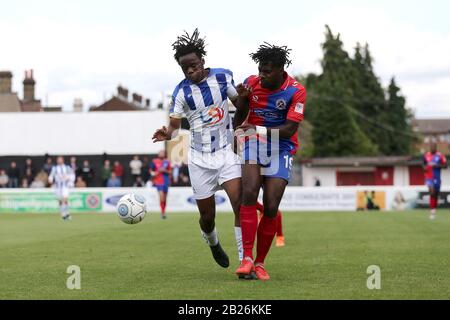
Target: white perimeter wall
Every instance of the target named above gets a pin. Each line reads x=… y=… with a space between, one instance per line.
x=327 y=176
x=32 y=133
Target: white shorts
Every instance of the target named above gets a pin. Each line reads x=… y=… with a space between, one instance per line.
x=208 y=171
x=62 y=193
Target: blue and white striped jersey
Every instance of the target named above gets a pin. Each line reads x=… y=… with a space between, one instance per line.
x=62 y=176
x=206 y=107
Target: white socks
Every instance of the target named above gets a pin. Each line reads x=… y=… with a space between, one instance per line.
x=238 y=234
x=64 y=210
x=211 y=238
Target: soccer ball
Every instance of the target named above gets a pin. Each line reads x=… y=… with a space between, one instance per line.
x=131 y=208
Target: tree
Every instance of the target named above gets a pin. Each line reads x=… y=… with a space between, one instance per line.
x=400 y=120
x=370 y=102
x=336 y=132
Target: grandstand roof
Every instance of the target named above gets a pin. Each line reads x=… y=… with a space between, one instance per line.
x=432 y=126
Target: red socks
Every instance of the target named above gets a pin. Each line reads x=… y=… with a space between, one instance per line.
x=266 y=232
x=279 y=225
x=162 y=205
x=259 y=207
x=249 y=225
x=433 y=202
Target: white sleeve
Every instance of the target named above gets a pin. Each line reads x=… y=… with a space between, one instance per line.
x=177 y=105
x=231 y=89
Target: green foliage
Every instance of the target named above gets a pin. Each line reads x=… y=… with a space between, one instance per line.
x=348 y=108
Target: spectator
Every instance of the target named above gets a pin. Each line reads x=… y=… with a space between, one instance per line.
x=3 y=179
x=29 y=171
x=80 y=183
x=113 y=181
x=136 y=168
x=87 y=173
x=24 y=183
x=40 y=181
x=118 y=170
x=317 y=182
x=175 y=174
x=74 y=166
x=14 y=175
x=146 y=169
x=139 y=183
x=184 y=176
x=106 y=172
x=48 y=165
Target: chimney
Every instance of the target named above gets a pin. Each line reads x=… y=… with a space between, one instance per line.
x=137 y=99
x=5 y=82
x=122 y=92
x=28 y=87
x=77 y=105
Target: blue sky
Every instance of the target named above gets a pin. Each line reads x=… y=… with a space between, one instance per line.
x=84 y=49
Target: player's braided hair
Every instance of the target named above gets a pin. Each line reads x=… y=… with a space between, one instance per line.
x=279 y=56
x=186 y=44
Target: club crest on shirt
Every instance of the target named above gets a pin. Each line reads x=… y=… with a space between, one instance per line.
x=299 y=108
x=281 y=104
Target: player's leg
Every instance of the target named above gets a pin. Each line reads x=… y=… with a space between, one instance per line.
x=251 y=183
x=280 y=236
x=204 y=184
x=273 y=193
x=162 y=201
x=207 y=209
x=433 y=202
x=259 y=210
x=233 y=188
x=434 y=198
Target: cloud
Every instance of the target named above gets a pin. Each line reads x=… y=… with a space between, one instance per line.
x=88 y=61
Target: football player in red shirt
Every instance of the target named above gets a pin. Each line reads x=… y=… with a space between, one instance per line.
x=268 y=122
x=433 y=162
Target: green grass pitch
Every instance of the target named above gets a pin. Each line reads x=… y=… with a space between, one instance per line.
x=326 y=257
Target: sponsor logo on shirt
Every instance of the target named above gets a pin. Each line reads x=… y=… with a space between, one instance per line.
x=212 y=116
x=299 y=108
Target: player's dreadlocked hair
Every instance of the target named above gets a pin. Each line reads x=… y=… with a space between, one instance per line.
x=279 y=56
x=186 y=44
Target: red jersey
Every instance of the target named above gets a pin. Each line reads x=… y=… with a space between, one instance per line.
x=433 y=173
x=161 y=178
x=272 y=108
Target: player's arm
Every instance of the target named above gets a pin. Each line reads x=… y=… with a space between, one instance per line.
x=285 y=131
x=443 y=163
x=241 y=102
x=167 y=133
x=290 y=126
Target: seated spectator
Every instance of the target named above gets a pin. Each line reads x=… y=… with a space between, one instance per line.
x=24 y=183
x=139 y=183
x=80 y=183
x=184 y=180
x=14 y=175
x=3 y=179
x=40 y=181
x=29 y=171
x=113 y=181
x=48 y=165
